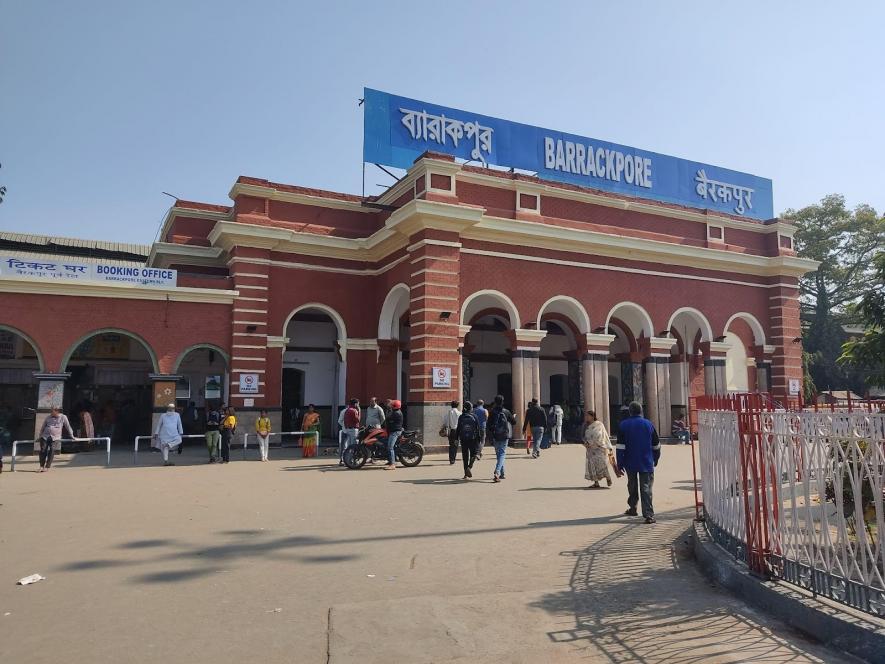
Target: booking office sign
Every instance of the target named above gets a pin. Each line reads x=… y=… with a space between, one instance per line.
x=398 y=130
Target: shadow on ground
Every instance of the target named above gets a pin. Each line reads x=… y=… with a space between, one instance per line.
x=635 y=596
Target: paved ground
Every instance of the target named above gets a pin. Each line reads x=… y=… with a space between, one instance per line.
x=300 y=561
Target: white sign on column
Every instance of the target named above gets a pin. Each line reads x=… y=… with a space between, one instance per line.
x=442 y=377
x=795 y=386
x=248 y=383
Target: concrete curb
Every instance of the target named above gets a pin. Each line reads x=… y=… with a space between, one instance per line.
x=851 y=632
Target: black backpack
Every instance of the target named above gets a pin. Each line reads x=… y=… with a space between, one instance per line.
x=214 y=418
x=468 y=427
x=499 y=428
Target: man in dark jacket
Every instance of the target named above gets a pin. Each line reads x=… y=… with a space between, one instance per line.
x=536 y=419
x=394 y=424
x=468 y=433
x=500 y=430
x=638 y=451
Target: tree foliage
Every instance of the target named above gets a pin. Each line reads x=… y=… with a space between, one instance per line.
x=844 y=241
x=868 y=352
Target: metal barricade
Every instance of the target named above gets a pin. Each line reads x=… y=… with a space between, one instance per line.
x=15 y=443
x=201 y=436
x=316 y=434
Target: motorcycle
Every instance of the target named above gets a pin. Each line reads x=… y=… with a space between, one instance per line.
x=372 y=444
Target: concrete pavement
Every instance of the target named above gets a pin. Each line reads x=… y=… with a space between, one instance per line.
x=300 y=561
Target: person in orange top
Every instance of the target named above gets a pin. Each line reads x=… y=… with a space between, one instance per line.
x=310 y=422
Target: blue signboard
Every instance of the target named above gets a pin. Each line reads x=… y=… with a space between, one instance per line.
x=398 y=130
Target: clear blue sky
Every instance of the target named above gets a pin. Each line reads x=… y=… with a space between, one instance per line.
x=103 y=105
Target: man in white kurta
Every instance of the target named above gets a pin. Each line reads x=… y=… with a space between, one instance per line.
x=168 y=433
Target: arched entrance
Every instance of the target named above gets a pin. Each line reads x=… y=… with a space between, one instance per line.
x=203 y=371
x=314 y=369
x=110 y=372
x=690 y=328
x=393 y=328
x=486 y=356
x=742 y=332
x=20 y=358
x=630 y=324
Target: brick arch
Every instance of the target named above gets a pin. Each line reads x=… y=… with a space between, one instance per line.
x=569 y=308
x=183 y=354
x=66 y=358
x=491 y=298
x=627 y=332
x=41 y=363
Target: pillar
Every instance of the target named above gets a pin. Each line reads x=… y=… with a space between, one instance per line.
x=714 y=367
x=786 y=358
x=525 y=347
x=656 y=365
x=50 y=394
x=164 y=394
x=251 y=347
x=434 y=329
x=594 y=375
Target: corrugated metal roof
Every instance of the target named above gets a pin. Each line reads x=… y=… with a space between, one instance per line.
x=40 y=255
x=73 y=246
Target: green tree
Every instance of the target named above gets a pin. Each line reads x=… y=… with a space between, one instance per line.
x=844 y=241
x=868 y=352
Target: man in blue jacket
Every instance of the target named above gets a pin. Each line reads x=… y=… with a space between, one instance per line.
x=638 y=451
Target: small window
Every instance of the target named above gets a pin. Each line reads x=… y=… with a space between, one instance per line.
x=715 y=233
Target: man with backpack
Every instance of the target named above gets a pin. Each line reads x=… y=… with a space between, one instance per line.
x=536 y=419
x=213 y=435
x=467 y=432
x=500 y=430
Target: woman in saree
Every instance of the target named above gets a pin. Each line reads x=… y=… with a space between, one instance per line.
x=598 y=446
x=310 y=422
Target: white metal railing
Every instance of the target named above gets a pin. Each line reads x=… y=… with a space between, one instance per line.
x=15 y=443
x=816 y=483
x=138 y=439
x=246 y=436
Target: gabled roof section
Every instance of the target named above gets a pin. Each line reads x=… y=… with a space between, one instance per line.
x=67 y=246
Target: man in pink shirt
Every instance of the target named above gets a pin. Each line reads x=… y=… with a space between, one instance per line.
x=50 y=436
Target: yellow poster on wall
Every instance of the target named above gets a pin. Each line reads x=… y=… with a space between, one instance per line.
x=107 y=346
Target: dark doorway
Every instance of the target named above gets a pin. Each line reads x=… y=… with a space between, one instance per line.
x=293 y=398
x=505 y=389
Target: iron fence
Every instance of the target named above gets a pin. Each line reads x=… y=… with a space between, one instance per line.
x=798 y=496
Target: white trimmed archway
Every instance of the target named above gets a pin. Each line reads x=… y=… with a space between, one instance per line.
x=489 y=299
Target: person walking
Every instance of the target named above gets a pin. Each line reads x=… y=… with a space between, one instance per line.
x=351 y=422
x=213 y=435
x=467 y=431
x=536 y=421
x=50 y=436
x=557 y=415
x=262 y=432
x=168 y=433
x=394 y=431
x=310 y=422
x=500 y=430
x=450 y=427
x=228 y=429
x=598 y=446
x=638 y=451
x=482 y=418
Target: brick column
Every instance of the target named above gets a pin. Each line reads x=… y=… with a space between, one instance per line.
x=434 y=308
x=50 y=394
x=594 y=375
x=656 y=365
x=714 y=367
x=163 y=395
x=786 y=360
x=250 y=269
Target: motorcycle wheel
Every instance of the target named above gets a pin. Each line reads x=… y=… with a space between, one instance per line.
x=410 y=454
x=355 y=457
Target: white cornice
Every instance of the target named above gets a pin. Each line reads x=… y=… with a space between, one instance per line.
x=259 y=191
x=118 y=291
x=532 y=234
x=176 y=211
x=187 y=253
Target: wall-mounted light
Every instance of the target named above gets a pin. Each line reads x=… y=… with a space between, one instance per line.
x=720 y=339
x=664 y=333
x=445 y=315
x=797 y=340
x=251 y=328
x=600 y=330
